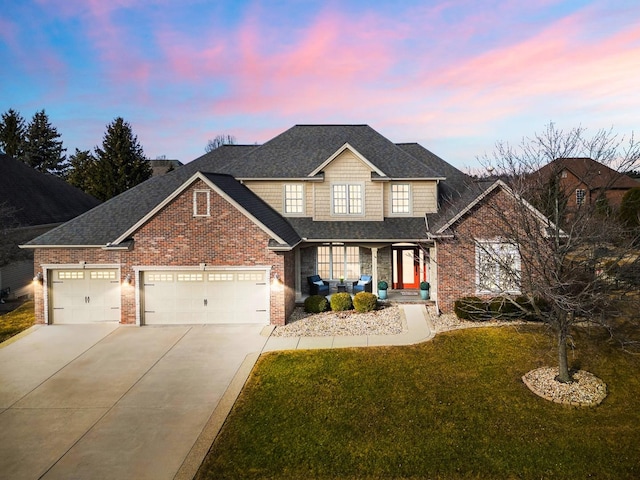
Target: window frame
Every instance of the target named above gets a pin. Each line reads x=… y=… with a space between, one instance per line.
x=393 y=198
x=286 y=197
x=581 y=196
x=492 y=252
x=196 y=210
x=348 y=264
x=348 y=201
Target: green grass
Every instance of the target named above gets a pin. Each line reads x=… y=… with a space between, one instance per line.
x=14 y=322
x=451 y=408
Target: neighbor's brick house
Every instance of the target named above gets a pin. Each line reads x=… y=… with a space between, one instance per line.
x=233 y=235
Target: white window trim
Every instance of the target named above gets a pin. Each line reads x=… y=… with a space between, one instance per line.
x=195 y=203
x=341 y=263
x=347 y=184
x=410 y=200
x=481 y=247
x=284 y=200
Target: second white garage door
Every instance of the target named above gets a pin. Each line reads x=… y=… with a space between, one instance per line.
x=192 y=297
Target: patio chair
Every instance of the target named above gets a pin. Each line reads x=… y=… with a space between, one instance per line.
x=317 y=286
x=364 y=284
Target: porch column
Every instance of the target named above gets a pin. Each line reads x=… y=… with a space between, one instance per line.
x=374 y=269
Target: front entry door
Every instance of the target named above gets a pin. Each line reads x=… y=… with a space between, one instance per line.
x=406 y=267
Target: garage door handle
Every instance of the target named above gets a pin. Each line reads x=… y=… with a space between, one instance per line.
x=205 y=302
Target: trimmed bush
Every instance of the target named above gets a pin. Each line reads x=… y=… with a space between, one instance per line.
x=382 y=285
x=365 y=302
x=471 y=308
x=316 y=304
x=528 y=307
x=506 y=308
x=341 y=301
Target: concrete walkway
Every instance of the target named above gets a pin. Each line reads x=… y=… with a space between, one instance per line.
x=122 y=402
x=418 y=323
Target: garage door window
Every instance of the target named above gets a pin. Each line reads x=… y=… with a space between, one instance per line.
x=190 y=277
x=71 y=275
x=221 y=277
x=160 y=277
x=251 y=277
x=102 y=275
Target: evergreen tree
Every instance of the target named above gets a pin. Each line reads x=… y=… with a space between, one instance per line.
x=42 y=149
x=120 y=163
x=12 y=133
x=82 y=165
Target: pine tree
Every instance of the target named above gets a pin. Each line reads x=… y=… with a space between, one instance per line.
x=42 y=149
x=12 y=133
x=81 y=169
x=120 y=163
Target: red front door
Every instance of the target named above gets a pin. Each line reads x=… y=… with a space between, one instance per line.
x=406 y=267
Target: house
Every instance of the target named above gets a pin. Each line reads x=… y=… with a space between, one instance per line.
x=31 y=203
x=233 y=235
x=160 y=166
x=585 y=181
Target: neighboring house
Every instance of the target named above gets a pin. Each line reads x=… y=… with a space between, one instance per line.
x=585 y=181
x=31 y=203
x=162 y=166
x=233 y=235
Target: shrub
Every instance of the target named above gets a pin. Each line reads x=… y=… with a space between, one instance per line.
x=424 y=286
x=316 y=304
x=382 y=285
x=528 y=310
x=365 y=302
x=506 y=308
x=470 y=308
x=341 y=301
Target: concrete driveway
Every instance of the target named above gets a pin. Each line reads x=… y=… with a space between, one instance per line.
x=122 y=402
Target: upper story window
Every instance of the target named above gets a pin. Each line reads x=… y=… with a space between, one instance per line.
x=294 y=199
x=201 y=203
x=400 y=198
x=497 y=267
x=347 y=199
x=580 y=196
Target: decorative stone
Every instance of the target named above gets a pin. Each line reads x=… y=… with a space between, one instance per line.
x=586 y=390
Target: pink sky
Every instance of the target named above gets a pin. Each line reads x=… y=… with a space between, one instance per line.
x=455 y=76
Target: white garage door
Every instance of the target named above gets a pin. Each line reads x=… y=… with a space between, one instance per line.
x=85 y=296
x=190 y=297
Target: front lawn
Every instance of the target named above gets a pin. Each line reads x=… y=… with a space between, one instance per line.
x=451 y=408
x=14 y=322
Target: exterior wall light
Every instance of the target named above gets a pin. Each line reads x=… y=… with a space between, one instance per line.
x=127 y=279
x=38 y=278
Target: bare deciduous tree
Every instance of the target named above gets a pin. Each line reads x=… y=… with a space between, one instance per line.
x=567 y=263
x=220 y=140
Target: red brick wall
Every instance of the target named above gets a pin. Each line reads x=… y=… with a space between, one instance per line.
x=456 y=257
x=174 y=237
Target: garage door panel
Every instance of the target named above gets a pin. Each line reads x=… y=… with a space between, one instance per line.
x=207 y=297
x=85 y=295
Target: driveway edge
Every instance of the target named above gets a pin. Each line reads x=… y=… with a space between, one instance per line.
x=198 y=452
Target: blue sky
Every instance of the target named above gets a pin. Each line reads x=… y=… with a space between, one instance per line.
x=456 y=76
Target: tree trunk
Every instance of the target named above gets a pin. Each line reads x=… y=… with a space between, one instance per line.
x=563 y=363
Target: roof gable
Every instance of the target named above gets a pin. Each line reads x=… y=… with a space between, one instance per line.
x=339 y=152
x=301 y=150
x=593 y=174
x=243 y=199
x=498 y=184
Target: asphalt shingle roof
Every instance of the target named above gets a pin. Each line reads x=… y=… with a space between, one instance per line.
x=293 y=154
x=298 y=151
x=37 y=198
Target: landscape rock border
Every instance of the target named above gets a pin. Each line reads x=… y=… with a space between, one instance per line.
x=586 y=390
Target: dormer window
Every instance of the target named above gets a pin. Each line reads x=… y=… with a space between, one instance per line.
x=347 y=199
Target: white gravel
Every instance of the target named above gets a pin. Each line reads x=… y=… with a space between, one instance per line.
x=585 y=390
x=387 y=320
